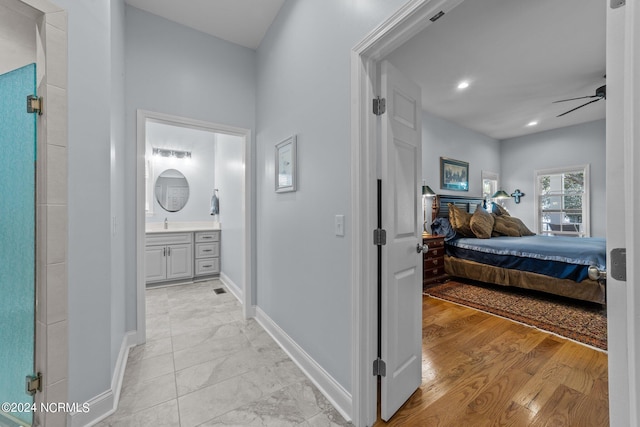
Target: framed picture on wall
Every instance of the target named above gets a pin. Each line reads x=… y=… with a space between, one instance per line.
x=286 y=165
x=454 y=174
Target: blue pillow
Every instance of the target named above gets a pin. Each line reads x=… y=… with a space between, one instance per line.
x=443 y=227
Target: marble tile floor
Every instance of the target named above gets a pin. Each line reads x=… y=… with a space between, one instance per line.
x=204 y=365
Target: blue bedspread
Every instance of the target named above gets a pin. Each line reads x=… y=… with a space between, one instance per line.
x=556 y=256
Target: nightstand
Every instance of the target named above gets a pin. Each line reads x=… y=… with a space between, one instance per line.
x=433 y=260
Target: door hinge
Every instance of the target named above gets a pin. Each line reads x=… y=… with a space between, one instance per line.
x=619 y=264
x=379 y=106
x=379 y=237
x=379 y=368
x=617 y=3
x=34 y=104
x=34 y=383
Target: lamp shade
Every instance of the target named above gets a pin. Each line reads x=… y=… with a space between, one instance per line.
x=427 y=191
x=500 y=194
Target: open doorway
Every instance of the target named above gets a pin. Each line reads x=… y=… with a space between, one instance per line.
x=397 y=30
x=208 y=198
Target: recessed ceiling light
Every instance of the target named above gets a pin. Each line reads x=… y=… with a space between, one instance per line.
x=463 y=84
x=533 y=123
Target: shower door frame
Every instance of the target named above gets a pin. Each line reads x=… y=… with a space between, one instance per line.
x=51 y=317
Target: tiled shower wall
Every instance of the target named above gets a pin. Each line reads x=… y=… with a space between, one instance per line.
x=51 y=212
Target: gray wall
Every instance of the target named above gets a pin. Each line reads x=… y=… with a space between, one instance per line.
x=303 y=269
x=229 y=178
x=569 y=146
x=442 y=138
x=89 y=177
x=175 y=70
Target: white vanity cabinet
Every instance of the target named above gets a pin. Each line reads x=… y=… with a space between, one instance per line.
x=207 y=253
x=168 y=256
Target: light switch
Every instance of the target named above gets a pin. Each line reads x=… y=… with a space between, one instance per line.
x=339 y=225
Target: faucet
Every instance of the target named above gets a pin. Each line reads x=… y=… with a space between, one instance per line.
x=166 y=224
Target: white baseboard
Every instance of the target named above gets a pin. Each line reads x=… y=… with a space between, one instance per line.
x=106 y=403
x=249 y=311
x=340 y=398
x=232 y=286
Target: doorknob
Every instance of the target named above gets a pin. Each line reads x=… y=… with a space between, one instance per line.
x=596 y=274
x=422 y=248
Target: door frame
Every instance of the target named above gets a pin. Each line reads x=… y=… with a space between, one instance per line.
x=623 y=132
x=51 y=319
x=243 y=291
x=410 y=19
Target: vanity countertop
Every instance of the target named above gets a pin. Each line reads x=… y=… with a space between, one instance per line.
x=177 y=227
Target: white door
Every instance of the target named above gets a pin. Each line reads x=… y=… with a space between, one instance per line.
x=401 y=263
x=623 y=201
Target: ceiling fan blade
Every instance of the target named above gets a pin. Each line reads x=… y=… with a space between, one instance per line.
x=573 y=99
x=574 y=109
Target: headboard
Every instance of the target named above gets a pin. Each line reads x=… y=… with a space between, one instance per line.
x=466 y=203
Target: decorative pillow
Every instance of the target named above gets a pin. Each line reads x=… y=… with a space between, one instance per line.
x=510 y=226
x=499 y=210
x=481 y=223
x=460 y=221
x=443 y=227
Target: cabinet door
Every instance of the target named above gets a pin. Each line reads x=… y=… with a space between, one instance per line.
x=179 y=261
x=155 y=263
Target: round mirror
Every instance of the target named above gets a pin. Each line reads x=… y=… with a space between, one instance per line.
x=172 y=190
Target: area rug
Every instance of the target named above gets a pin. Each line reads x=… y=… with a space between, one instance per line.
x=580 y=321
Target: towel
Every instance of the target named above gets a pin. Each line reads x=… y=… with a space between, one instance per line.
x=215 y=205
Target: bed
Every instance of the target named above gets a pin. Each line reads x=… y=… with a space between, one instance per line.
x=553 y=264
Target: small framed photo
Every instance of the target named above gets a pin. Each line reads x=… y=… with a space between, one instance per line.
x=454 y=174
x=286 y=165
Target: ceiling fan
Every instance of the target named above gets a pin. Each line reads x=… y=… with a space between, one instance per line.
x=601 y=93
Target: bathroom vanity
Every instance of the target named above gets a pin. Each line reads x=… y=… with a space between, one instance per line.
x=181 y=254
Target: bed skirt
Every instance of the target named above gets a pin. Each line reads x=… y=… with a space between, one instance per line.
x=586 y=290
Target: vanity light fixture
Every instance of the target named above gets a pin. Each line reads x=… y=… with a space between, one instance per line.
x=178 y=154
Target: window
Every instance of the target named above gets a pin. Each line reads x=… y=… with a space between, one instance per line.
x=562 y=201
x=489 y=184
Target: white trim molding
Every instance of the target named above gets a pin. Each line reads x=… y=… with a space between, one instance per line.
x=406 y=22
x=106 y=403
x=336 y=394
x=244 y=291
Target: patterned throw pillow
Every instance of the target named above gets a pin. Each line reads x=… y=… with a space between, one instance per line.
x=460 y=221
x=481 y=223
x=499 y=210
x=510 y=226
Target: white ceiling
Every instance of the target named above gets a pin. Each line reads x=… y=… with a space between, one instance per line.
x=519 y=56
x=242 y=22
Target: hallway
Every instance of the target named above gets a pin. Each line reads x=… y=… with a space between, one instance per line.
x=203 y=365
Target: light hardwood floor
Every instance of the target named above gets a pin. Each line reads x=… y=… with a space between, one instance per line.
x=482 y=370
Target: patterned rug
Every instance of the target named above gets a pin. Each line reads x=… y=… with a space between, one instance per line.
x=580 y=321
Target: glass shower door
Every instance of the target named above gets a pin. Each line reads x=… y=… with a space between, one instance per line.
x=17 y=244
